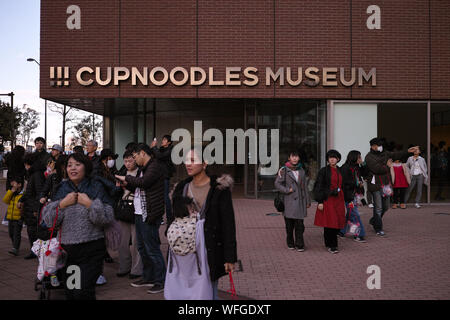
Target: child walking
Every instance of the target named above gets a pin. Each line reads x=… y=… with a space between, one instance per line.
x=14 y=214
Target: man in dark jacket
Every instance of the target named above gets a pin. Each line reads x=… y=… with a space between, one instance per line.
x=149 y=209
x=164 y=155
x=378 y=162
x=214 y=194
x=30 y=199
x=91 y=150
x=41 y=154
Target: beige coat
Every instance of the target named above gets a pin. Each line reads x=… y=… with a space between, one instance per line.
x=405 y=171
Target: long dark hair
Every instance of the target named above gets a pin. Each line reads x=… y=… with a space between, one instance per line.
x=15 y=158
x=352 y=157
x=60 y=166
x=181 y=206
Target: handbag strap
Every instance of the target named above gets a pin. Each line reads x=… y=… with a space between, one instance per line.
x=51 y=234
x=232 y=290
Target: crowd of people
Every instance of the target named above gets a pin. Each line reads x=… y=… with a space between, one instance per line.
x=339 y=191
x=85 y=200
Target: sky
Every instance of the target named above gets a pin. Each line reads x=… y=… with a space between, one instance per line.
x=19 y=38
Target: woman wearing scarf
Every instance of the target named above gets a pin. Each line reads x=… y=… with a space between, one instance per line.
x=291 y=182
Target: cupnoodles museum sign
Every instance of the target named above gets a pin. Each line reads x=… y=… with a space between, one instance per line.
x=197 y=76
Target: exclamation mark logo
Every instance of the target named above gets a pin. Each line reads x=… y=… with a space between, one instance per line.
x=62 y=76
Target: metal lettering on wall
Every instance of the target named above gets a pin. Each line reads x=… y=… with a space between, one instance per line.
x=233 y=76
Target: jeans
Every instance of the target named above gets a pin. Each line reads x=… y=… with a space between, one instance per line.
x=167 y=199
x=417 y=179
x=148 y=242
x=380 y=206
x=294 y=226
x=15 y=232
x=355 y=218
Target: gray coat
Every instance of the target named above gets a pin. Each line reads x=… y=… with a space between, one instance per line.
x=295 y=203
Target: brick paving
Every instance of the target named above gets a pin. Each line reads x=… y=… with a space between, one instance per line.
x=414 y=259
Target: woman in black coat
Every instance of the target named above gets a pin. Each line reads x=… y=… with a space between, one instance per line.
x=30 y=199
x=14 y=163
x=212 y=198
x=54 y=180
x=352 y=174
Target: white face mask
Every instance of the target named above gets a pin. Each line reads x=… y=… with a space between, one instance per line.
x=110 y=163
x=380 y=148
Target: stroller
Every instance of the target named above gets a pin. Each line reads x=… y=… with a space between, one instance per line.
x=52 y=259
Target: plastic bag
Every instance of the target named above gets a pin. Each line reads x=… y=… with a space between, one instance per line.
x=387 y=191
x=353 y=229
x=51 y=256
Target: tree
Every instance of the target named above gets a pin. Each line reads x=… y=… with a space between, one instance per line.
x=67 y=116
x=9 y=122
x=87 y=129
x=28 y=122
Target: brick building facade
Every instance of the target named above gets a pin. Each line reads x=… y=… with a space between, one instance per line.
x=410 y=51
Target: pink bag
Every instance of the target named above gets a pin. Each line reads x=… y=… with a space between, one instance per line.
x=113 y=235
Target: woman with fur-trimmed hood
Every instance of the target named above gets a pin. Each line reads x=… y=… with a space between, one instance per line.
x=195 y=275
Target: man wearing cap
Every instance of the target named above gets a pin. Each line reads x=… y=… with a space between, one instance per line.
x=378 y=162
x=57 y=150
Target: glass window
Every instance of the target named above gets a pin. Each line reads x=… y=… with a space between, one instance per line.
x=440 y=152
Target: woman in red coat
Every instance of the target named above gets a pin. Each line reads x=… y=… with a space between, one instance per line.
x=329 y=194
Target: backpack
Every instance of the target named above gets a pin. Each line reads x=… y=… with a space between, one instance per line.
x=181 y=235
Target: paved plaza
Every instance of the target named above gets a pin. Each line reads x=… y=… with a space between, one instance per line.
x=414 y=259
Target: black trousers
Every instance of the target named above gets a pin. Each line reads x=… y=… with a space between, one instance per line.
x=32 y=233
x=89 y=258
x=399 y=195
x=330 y=237
x=15 y=232
x=294 y=227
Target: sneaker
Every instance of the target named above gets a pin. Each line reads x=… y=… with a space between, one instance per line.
x=359 y=239
x=5 y=222
x=381 y=233
x=394 y=206
x=333 y=250
x=341 y=234
x=13 y=251
x=157 y=288
x=370 y=205
x=403 y=206
x=101 y=280
x=291 y=247
x=300 y=249
x=417 y=206
x=142 y=283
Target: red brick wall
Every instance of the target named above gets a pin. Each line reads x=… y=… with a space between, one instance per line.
x=257 y=33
